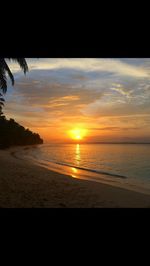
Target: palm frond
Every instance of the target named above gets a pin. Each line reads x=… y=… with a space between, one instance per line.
x=22 y=63
x=2 y=99
x=5 y=67
x=3 y=79
x=1 y=104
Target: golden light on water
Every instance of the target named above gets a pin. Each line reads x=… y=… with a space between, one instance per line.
x=78 y=154
x=77 y=159
x=74 y=172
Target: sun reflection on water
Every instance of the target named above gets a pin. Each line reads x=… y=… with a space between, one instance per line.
x=77 y=157
x=77 y=161
x=75 y=171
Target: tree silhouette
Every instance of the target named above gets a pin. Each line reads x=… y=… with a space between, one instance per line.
x=4 y=71
x=12 y=134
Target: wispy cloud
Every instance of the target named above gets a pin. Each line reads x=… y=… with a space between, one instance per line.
x=123 y=91
x=116 y=66
x=66 y=98
x=114 y=128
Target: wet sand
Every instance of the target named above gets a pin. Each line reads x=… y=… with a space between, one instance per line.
x=26 y=185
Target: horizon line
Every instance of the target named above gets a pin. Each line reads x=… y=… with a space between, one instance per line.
x=97 y=142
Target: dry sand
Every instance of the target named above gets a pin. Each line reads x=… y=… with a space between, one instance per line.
x=25 y=185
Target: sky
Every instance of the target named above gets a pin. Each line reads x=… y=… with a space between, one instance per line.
x=107 y=98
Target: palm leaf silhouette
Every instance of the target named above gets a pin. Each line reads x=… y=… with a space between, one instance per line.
x=22 y=63
x=4 y=69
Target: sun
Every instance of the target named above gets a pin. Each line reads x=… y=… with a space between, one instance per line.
x=77 y=133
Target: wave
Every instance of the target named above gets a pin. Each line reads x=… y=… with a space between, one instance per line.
x=88 y=169
x=45 y=162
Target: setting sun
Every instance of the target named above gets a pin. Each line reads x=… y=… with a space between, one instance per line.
x=77 y=133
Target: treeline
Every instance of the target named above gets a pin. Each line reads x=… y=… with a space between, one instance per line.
x=11 y=134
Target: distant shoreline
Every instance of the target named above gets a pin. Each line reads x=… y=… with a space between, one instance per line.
x=97 y=143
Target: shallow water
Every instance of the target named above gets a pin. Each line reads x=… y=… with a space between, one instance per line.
x=126 y=165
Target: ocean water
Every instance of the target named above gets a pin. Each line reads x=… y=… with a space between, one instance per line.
x=123 y=165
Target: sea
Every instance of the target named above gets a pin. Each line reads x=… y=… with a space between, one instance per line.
x=122 y=165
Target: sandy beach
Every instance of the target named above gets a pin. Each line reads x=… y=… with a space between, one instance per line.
x=26 y=185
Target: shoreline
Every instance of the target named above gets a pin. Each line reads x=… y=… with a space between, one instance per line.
x=82 y=173
x=24 y=184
